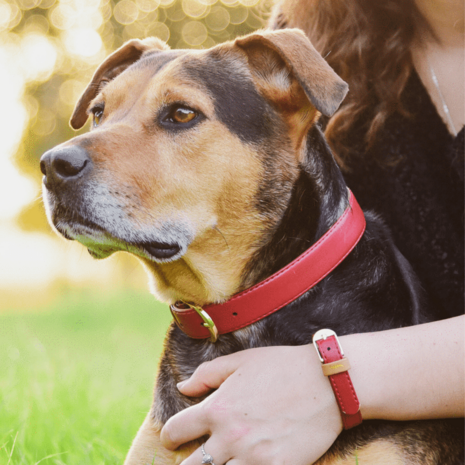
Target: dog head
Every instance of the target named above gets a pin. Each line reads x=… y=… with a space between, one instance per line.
x=192 y=156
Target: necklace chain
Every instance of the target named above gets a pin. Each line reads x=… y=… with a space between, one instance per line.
x=444 y=104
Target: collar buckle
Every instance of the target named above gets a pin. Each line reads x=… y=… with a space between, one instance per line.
x=207 y=321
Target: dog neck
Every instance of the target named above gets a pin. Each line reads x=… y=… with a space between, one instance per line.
x=318 y=199
x=231 y=263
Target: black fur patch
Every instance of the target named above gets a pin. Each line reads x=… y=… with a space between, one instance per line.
x=238 y=105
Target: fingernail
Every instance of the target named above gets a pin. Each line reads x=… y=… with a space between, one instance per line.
x=181 y=384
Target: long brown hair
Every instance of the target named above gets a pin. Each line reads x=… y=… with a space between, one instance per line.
x=367 y=42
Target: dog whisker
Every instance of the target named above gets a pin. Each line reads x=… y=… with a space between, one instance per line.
x=226 y=242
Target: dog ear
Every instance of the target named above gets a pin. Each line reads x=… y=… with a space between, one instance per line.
x=114 y=64
x=268 y=51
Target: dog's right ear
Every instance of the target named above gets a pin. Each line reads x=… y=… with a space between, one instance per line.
x=114 y=64
x=293 y=76
x=265 y=50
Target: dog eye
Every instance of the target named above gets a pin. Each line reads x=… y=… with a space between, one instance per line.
x=98 y=117
x=183 y=115
x=97 y=113
x=180 y=116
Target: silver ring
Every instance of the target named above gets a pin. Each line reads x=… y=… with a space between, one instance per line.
x=207 y=458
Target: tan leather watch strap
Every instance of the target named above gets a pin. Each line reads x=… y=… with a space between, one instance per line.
x=333 y=368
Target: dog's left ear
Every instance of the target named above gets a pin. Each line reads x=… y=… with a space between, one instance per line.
x=323 y=87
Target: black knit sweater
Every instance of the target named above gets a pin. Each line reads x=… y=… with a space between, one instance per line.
x=421 y=196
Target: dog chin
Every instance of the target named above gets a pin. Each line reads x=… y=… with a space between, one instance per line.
x=99 y=253
x=164 y=243
x=155 y=252
x=101 y=244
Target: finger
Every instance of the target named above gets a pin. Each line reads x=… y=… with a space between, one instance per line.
x=185 y=426
x=210 y=375
x=211 y=448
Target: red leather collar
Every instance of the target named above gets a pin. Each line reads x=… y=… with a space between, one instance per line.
x=279 y=289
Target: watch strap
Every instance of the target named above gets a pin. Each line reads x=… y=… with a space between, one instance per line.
x=335 y=366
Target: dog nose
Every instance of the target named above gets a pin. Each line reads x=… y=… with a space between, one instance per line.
x=64 y=164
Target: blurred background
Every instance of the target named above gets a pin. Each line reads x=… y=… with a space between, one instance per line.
x=79 y=338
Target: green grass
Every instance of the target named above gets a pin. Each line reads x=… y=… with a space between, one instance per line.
x=76 y=378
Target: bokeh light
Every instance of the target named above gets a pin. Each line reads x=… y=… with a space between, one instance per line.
x=238 y=15
x=218 y=19
x=194 y=9
x=83 y=42
x=194 y=33
x=147 y=6
x=63 y=16
x=160 y=30
x=28 y=4
x=248 y=3
x=10 y=15
x=126 y=12
x=38 y=57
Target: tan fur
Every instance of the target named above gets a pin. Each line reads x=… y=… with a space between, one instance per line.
x=376 y=453
x=147 y=449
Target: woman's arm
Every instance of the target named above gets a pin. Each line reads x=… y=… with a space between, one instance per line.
x=275 y=403
x=410 y=373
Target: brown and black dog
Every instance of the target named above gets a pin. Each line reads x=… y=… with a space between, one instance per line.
x=211 y=168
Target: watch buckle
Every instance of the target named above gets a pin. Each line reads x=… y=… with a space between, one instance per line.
x=322 y=335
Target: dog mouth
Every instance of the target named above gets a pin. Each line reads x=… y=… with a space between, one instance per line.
x=153 y=250
x=101 y=243
x=161 y=250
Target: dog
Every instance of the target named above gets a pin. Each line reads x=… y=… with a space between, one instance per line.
x=210 y=167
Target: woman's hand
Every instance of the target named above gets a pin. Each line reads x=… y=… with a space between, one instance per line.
x=272 y=405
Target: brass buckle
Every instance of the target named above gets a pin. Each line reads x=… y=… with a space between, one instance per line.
x=323 y=334
x=207 y=321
